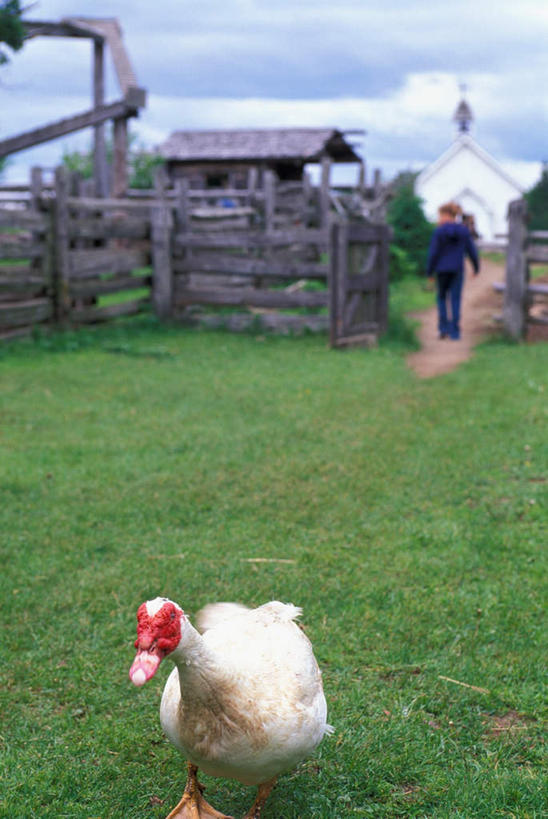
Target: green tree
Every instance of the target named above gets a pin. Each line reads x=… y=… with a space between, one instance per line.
x=141 y=163
x=537 y=202
x=411 y=228
x=12 y=30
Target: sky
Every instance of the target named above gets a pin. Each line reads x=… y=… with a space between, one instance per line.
x=393 y=68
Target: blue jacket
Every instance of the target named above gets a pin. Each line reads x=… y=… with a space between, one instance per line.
x=448 y=246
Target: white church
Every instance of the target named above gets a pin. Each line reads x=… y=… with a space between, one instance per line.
x=465 y=173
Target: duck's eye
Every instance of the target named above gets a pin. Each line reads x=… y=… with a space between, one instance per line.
x=172 y=616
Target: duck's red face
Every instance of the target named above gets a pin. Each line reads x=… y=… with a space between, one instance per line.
x=159 y=624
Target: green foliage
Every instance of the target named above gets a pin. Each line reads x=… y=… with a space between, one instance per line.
x=412 y=230
x=142 y=167
x=79 y=162
x=4 y=162
x=141 y=163
x=140 y=459
x=537 y=203
x=12 y=31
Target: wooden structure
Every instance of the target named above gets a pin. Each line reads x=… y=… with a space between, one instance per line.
x=103 y=33
x=521 y=295
x=64 y=253
x=239 y=158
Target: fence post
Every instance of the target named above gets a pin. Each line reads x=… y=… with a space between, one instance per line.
x=325 y=201
x=517 y=272
x=61 y=270
x=269 y=200
x=338 y=264
x=162 y=224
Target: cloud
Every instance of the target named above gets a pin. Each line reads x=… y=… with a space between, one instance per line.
x=392 y=68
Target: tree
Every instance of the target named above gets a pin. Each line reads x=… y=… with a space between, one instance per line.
x=537 y=202
x=411 y=228
x=142 y=163
x=12 y=30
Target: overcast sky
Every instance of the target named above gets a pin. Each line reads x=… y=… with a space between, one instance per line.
x=391 y=67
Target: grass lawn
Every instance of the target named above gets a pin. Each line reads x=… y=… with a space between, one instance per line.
x=137 y=460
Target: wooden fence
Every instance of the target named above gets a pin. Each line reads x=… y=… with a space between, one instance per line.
x=524 y=300
x=72 y=259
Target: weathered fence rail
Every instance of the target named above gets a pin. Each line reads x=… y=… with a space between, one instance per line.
x=70 y=258
x=524 y=300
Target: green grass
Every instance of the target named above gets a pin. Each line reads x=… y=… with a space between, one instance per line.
x=138 y=460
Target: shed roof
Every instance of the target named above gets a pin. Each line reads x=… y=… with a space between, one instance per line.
x=304 y=144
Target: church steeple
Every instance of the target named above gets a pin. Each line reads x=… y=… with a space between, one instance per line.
x=463 y=115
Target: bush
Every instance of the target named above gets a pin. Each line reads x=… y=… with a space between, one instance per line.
x=411 y=228
x=537 y=202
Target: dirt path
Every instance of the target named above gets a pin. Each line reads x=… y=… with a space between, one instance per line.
x=479 y=304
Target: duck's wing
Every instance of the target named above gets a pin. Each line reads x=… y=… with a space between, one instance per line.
x=214 y=614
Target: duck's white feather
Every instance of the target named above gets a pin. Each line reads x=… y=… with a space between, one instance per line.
x=245 y=700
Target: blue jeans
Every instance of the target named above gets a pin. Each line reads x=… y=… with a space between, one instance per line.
x=449 y=288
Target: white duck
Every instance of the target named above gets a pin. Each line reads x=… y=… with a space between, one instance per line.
x=245 y=699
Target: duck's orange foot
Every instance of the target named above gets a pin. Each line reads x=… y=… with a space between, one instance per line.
x=193 y=805
x=264 y=790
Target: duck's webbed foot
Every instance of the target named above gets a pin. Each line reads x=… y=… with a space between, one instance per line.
x=262 y=795
x=193 y=805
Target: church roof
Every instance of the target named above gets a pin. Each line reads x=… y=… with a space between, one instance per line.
x=465 y=142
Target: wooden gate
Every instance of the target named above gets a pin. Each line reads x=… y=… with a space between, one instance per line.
x=358 y=288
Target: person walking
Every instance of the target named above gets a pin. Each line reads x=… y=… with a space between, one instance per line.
x=451 y=241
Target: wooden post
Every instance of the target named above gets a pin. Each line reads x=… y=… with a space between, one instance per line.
x=377 y=182
x=120 y=178
x=517 y=272
x=183 y=204
x=338 y=264
x=252 y=178
x=384 y=271
x=162 y=223
x=100 y=176
x=61 y=277
x=269 y=199
x=324 y=192
x=362 y=178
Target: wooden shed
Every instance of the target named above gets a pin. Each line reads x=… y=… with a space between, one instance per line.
x=219 y=159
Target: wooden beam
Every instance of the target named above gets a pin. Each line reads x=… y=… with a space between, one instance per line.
x=162 y=229
x=515 y=295
x=120 y=170
x=57 y=129
x=248 y=296
x=325 y=199
x=100 y=170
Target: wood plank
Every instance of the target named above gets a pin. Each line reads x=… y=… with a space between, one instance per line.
x=363 y=282
x=60 y=250
x=109 y=227
x=367 y=232
x=538 y=234
x=65 y=126
x=111 y=203
x=248 y=296
x=537 y=254
x=162 y=231
x=32 y=311
x=13 y=247
x=119 y=160
x=21 y=283
x=88 y=263
x=211 y=263
x=515 y=298
x=96 y=287
x=537 y=289
x=282 y=238
x=22 y=218
x=15 y=270
x=90 y=315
